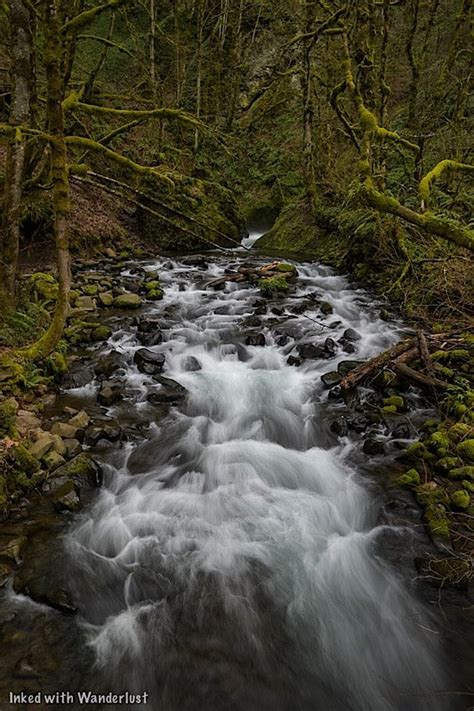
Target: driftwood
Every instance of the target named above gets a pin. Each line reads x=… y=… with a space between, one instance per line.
x=424 y=352
x=398 y=356
x=425 y=381
x=363 y=371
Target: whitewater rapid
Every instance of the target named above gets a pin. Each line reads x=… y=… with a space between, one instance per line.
x=230 y=560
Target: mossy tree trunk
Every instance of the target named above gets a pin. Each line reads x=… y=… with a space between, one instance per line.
x=21 y=73
x=53 y=22
x=308 y=102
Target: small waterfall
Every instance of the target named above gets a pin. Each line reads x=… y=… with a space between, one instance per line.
x=230 y=561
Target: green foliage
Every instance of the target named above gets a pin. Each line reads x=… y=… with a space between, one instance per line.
x=23 y=326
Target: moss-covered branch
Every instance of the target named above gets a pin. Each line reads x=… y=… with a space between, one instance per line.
x=107 y=42
x=428 y=222
x=436 y=173
x=86 y=17
x=118 y=158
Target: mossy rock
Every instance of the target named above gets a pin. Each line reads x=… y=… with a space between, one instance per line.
x=273 y=286
x=440 y=442
x=465 y=449
x=155 y=295
x=410 y=478
x=24 y=461
x=8 y=410
x=284 y=267
x=445 y=464
x=152 y=285
x=460 y=499
x=468 y=485
x=418 y=450
x=56 y=363
x=395 y=401
x=127 y=301
x=459 y=431
x=100 y=333
x=45 y=286
x=390 y=409
x=430 y=493
x=90 y=289
x=462 y=473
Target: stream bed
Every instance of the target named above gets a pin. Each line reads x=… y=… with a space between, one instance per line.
x=244 y=552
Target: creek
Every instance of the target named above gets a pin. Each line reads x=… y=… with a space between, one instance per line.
x=239 y=555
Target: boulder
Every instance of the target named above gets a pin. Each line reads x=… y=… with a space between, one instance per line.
x=42 y=446
x=80 y=420
x=148 y=361
x=52 y=460
x=73 y=447
x=85 y=303
x=351 y=335
x=67 y=431
x=294 y=361
x=106 y=299
x=109 y=431
x=346 y=366
x=127 y=301
x=339 y=426
x=83 y=470
x=311 y=350
x=326 y=308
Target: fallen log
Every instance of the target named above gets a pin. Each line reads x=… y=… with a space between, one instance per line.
x=425 y=381
x=424 y=352
x=363 y=371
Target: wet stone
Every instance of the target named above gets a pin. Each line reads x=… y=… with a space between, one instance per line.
x=351 y=335
x=310 y=350
x=111 y=391
x=373 y=446
x=293 y=360
x=108 y=364
x=255 y=339
x=149 y=362
x=339 y=427
x=330 y=379
x=192 y=364
x=346 y=366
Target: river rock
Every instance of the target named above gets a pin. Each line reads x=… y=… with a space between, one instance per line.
x=65 y=430
x=127 y=301
x=84 y=303
x=192 y=364
x=80 y=420
x=43 y=445
x=110 y=431
x=351 y=335
x=73 y=447
x=326 y=308
x=294 y=361
x=373 y=446
x=106 y=299
x=108 y=364
x=346 y=366
x=358 y=423
x=310 y=350
x=83 y=470
x=52 y=460
x=148 y=361
x=26 y=421
x=111 y=391
x=330 y=379
x=255 y=339
x=330 y=347
x=281 y=339
x=339 y=426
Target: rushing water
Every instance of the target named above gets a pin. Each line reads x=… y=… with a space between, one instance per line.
x=230 y=560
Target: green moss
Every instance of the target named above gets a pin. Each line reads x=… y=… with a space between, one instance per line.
x=56 y=363
x=410 y=478
x=283 y=267
x=90 y=289
x=390 y=409
x=101 y=333
x=155 y=295
x=468 y=485
x=418 y=450
x=45 y=286
x=395 y=401
x=273 y=286
x=460 y=499
x=437 y=521
x=445 y=464
x=24 y=460
x=465 y=449
x=8 y=410
x=459 y=431
x=462 y=473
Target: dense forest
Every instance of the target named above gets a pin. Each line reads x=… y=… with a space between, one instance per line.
x=141 y=142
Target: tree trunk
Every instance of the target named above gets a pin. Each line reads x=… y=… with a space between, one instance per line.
x=21 y=74
x=60 y=181
x=308 y=106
